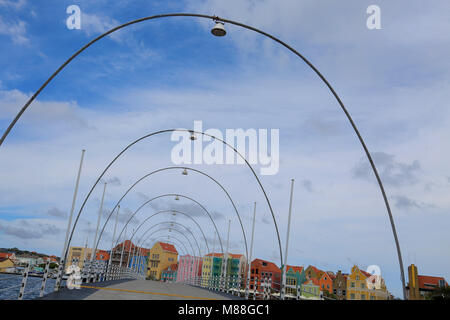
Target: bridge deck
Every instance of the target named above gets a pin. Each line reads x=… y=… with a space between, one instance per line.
x=137 y=290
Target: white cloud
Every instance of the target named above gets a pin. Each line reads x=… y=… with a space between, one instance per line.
x=16 y=30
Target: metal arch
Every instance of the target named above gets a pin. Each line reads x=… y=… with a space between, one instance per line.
x=172 y=168
x=171 y=195
x=173 y=211
x=176 y=223
x=216 y=18
x=182 y=130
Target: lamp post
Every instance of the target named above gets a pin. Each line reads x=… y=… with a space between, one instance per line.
x=62 y=261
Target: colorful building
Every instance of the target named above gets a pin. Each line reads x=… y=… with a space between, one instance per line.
x=138 y=262
x=340 y=285
x=236 y=266
x=295 y=276
x=6 y=265
x=261 y=269
x=189 y=268
x=211 y=269
x=311 y=290
x=170 y=273
x=419 y=286
x=326 y=282
x=79 y=254
x=360 y=287
x=312 y=272
x=161 y=256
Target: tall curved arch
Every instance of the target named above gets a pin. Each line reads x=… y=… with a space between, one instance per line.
x=167 y=211
x=175 y=168
x=172 y=195
x=173 y=223
x=175 y=211
x=216 y=18
x=176 y=230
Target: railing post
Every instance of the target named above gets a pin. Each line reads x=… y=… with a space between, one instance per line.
x=44 y=279
x=59 y=274
x=24 y=282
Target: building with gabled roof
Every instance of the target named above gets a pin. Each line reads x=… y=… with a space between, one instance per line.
x=340 y=285
x=161 y=256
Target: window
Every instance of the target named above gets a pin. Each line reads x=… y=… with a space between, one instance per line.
x=264 y=264
x=256 y=271
x=362 y=285
x=372 y=298
x=352 y=296
x=357 y=277
x=343 y=292
x=334 y=291
x=363 y=297
x=352 y=284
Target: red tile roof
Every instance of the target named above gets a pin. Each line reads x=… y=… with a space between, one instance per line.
x=235 y=256
x=168 y=247
x=218 y=255
x=5 y=254
x=429 y=282
x=295 y=268
x=270 y=266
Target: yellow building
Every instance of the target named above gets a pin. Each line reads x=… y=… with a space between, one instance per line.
x=161 y=256
x=360 y=288
x=211 y=267
x=5 y=264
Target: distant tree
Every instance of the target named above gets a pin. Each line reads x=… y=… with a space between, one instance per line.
x=440 y=293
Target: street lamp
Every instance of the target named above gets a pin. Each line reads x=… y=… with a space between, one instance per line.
x=219 y=29
x=185 y=173
x=193 y=137
x=177 y=198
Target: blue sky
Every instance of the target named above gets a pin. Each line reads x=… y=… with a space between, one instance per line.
x=167 y=73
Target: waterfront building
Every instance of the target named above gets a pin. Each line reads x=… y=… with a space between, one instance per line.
x=76 y=256
x=360 y=287
x=312 y=272
x=295 y=276
x=260 y=269
x=326 y=282
x=6 y=265
x=340 y=285
x=419 y=286
x=211 y=269
x=170 y=273
x=311 y=290
x=189 y=267
x=161 y=256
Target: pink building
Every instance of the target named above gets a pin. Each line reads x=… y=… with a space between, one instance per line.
x=189 y=267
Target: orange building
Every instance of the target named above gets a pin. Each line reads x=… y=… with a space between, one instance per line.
x=259 y=269
x=326 y=282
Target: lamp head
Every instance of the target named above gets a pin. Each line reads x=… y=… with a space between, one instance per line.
x=185 y=173
x=219 y=29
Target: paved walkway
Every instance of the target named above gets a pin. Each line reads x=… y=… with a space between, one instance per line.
x=138 y=290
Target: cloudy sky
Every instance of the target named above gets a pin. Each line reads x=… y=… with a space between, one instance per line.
x=166 y=73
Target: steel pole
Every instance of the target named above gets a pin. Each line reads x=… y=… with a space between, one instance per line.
x=247 y=288
x=98 y=222
x=283 y=285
